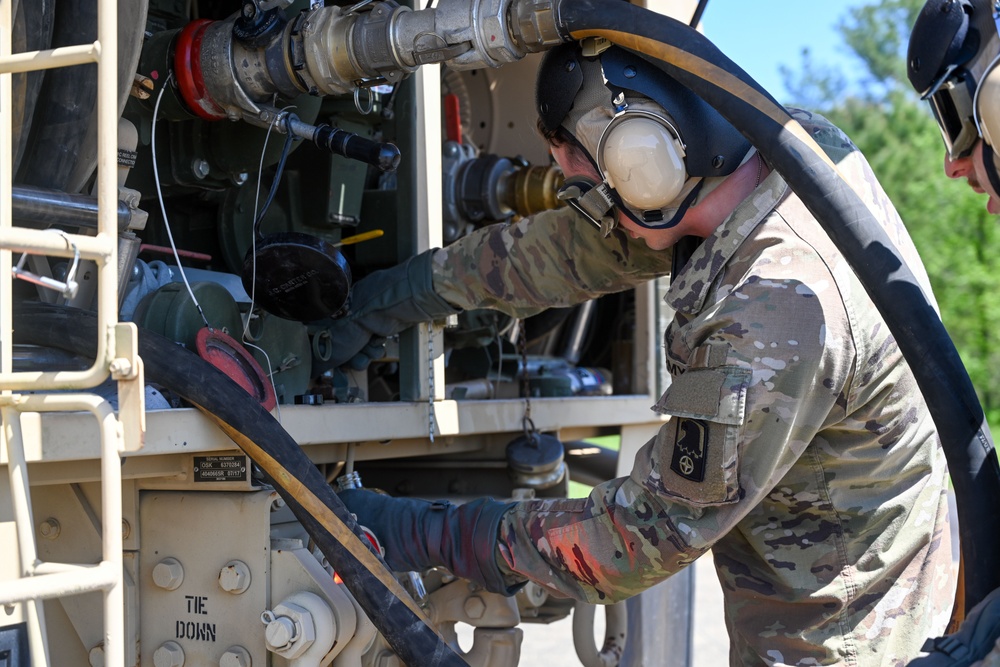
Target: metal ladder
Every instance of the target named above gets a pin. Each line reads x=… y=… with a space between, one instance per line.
x=117 y=352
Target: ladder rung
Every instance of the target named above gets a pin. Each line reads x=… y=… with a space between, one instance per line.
x=98 y=577
x=63 y=56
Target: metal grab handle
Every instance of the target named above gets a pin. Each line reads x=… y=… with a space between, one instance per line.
x=67 y=288
x=616 y=627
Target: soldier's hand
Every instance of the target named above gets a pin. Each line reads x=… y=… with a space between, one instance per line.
x=381 y=305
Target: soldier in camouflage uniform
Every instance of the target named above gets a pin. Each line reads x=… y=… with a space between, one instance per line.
x=798 y=450
x=952 y=63
x=952 y=60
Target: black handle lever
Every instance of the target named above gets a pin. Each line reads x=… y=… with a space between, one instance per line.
x=385 y=156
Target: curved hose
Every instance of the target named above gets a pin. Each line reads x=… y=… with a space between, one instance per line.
x=65 y=105
x=32 y=32
x=693 y=60
x=294 y=476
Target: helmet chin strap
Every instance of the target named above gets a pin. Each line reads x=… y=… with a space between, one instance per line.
x=990 y=166
x=674 y=220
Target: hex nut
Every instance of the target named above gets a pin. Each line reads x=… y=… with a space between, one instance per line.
x=50 y=528
x=235 y=577
x=475 y=607
x=168 y=574
x=235 y=656
x=290 y=629
x=169 y=654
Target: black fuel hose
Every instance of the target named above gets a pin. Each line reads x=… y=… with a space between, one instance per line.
x=693 y=60
x=295 y=477
x=67 y=100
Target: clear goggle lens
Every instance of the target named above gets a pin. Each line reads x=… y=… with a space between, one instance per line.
x=952 y=106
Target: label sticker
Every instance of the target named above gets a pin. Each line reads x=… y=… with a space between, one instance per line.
x=220 y=468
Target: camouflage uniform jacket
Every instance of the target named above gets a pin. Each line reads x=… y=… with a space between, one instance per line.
x=799 y=449
x=551 y=259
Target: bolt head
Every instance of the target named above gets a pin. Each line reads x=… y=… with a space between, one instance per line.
x=49 y=529
x=475 y=607
x=235 y=656
x=235 y=577
x=168 y=574
x=169 y=654
x=96 y=656
x=200 y=168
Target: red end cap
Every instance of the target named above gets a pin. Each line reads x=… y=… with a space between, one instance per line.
x=222 y=351
x=187 y=68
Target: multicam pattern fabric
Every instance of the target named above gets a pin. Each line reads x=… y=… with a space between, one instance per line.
x=552 y=259
x=799 y=450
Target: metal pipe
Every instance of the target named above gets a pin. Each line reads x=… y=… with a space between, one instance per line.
x=578 y=331
x=41 y=208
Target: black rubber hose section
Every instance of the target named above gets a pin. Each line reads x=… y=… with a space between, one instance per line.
x=295 y=477
x=32 y=32
x=67 y=100
x=693 y=60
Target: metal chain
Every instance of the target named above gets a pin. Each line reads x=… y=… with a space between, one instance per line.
x=522 y=344
x=431 y=426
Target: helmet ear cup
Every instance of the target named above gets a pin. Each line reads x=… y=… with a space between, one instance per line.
x=642 y=158
x=987 y=106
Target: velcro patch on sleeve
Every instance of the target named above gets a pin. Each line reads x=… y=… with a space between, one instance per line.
x=698 y=451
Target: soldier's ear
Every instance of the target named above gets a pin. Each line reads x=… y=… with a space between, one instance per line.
x=987 y=105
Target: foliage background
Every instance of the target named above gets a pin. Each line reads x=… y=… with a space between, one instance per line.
x=957 y=238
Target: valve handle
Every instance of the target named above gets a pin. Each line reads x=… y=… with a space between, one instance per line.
x=385 y=156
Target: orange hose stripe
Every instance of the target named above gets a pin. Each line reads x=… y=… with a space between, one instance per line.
x=319 y=510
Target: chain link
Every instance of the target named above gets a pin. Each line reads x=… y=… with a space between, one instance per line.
x=526 y=422
x=431 y=426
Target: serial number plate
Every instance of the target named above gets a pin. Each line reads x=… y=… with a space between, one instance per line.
x=220 y=468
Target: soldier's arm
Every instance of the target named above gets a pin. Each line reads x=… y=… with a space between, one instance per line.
x=740 y=418
x=553 y=259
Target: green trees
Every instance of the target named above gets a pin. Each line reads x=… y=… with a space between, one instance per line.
x=957 y=238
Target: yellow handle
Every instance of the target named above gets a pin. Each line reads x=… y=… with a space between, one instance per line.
x=358 y=238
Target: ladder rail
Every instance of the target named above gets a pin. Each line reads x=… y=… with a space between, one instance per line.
x=116 y=351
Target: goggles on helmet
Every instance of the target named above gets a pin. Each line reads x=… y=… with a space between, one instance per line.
x=952 y=105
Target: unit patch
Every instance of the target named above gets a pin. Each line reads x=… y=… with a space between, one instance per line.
x=690 y=449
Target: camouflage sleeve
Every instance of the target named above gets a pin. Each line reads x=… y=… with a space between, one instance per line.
x=553 y=259
x=742 y=413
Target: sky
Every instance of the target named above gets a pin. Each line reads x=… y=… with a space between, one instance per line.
x=761 y=35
